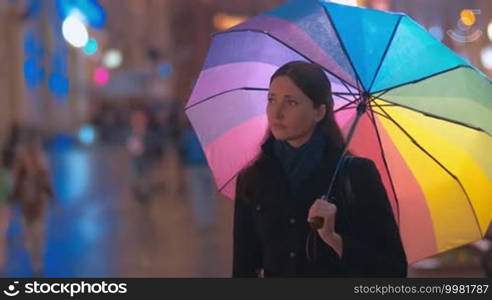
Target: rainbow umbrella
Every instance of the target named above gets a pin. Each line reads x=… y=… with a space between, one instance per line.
x=418 y=110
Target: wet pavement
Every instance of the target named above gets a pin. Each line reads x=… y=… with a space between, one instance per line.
x=102 y=231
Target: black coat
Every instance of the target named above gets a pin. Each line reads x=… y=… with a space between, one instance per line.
x=271 y=228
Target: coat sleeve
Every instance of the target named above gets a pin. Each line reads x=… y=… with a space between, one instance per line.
x=247 y=255
x=372 y=247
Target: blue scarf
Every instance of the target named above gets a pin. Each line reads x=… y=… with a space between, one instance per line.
x=299 y=163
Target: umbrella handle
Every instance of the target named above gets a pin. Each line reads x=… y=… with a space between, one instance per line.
x=317 y=222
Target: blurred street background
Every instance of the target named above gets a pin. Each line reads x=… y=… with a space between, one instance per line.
x=100 y=85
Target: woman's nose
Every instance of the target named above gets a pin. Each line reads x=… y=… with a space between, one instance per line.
x=278 y=111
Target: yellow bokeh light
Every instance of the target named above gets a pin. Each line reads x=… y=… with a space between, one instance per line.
x=467 y=17
x=226 y=21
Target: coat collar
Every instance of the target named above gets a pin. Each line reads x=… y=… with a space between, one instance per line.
x=273 y=181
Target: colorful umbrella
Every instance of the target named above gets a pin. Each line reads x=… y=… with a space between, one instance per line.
x=421 y=113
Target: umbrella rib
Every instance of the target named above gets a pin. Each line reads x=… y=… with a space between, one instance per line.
x=385 y=105
x=227 y=182
x=346 y=106
x=436 y=161
x=380 y=114
x=225 y=92
x=342 y=46
x=384 y=91
x=433 y=116
x=385 y=52
x=345 y=94
x=350 y=91
x=287 y=46
x=373 y=121
x=342 y=96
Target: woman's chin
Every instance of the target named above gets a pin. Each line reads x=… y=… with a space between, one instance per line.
x=279 y=136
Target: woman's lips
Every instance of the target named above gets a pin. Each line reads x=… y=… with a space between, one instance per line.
x=278 y=126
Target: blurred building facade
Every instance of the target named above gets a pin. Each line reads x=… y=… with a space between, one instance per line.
x=46 y=81
x=12 y=92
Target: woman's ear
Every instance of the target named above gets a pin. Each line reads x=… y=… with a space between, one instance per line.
x=320 y=112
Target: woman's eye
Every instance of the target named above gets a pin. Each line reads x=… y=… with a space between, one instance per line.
x=270 y=100
x=292 y=103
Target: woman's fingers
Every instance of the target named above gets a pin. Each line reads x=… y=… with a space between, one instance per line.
x=321 y=204
x=321 y=212
x=321 y=208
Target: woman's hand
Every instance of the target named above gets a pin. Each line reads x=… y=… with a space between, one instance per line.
x=326 y=210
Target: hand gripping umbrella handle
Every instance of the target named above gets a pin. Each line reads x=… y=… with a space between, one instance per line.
x=317 y=222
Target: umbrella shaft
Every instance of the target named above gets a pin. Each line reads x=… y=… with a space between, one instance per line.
x=361 y=109
x=317 y=222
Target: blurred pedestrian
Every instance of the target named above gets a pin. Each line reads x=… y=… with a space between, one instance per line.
x=145 y=149
x=162 y=127
x=198 y=178
x=178 y=123
x=6 y=186
x=5 y=197
x=33 y=190
x=10 y=147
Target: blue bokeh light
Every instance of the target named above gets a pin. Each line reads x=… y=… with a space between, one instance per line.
x=87 y=135
x=91 y=47
x=164 y=69
x=30 y=44
x=30 y=72
x=59 y=84
x=91 y=9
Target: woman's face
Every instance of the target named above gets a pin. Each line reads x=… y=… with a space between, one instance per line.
x=292 y=116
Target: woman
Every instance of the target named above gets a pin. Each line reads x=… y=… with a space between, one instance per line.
x=279 y=194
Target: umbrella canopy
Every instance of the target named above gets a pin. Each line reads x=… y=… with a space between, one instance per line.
x=418 y=110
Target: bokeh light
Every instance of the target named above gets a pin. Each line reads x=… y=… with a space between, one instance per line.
x=94 y=13
x=467 y=17
x=30 y=72
x=59 y=84
x=91 y=47
x=101 y=76
x=113 y=58
x=489 y=30
x=225 y=21
x=345 y=2
x=74 y=31
x=87 y=135
x=164 y=69
x=486 y=55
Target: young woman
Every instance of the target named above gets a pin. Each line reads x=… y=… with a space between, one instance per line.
x=279 y=194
